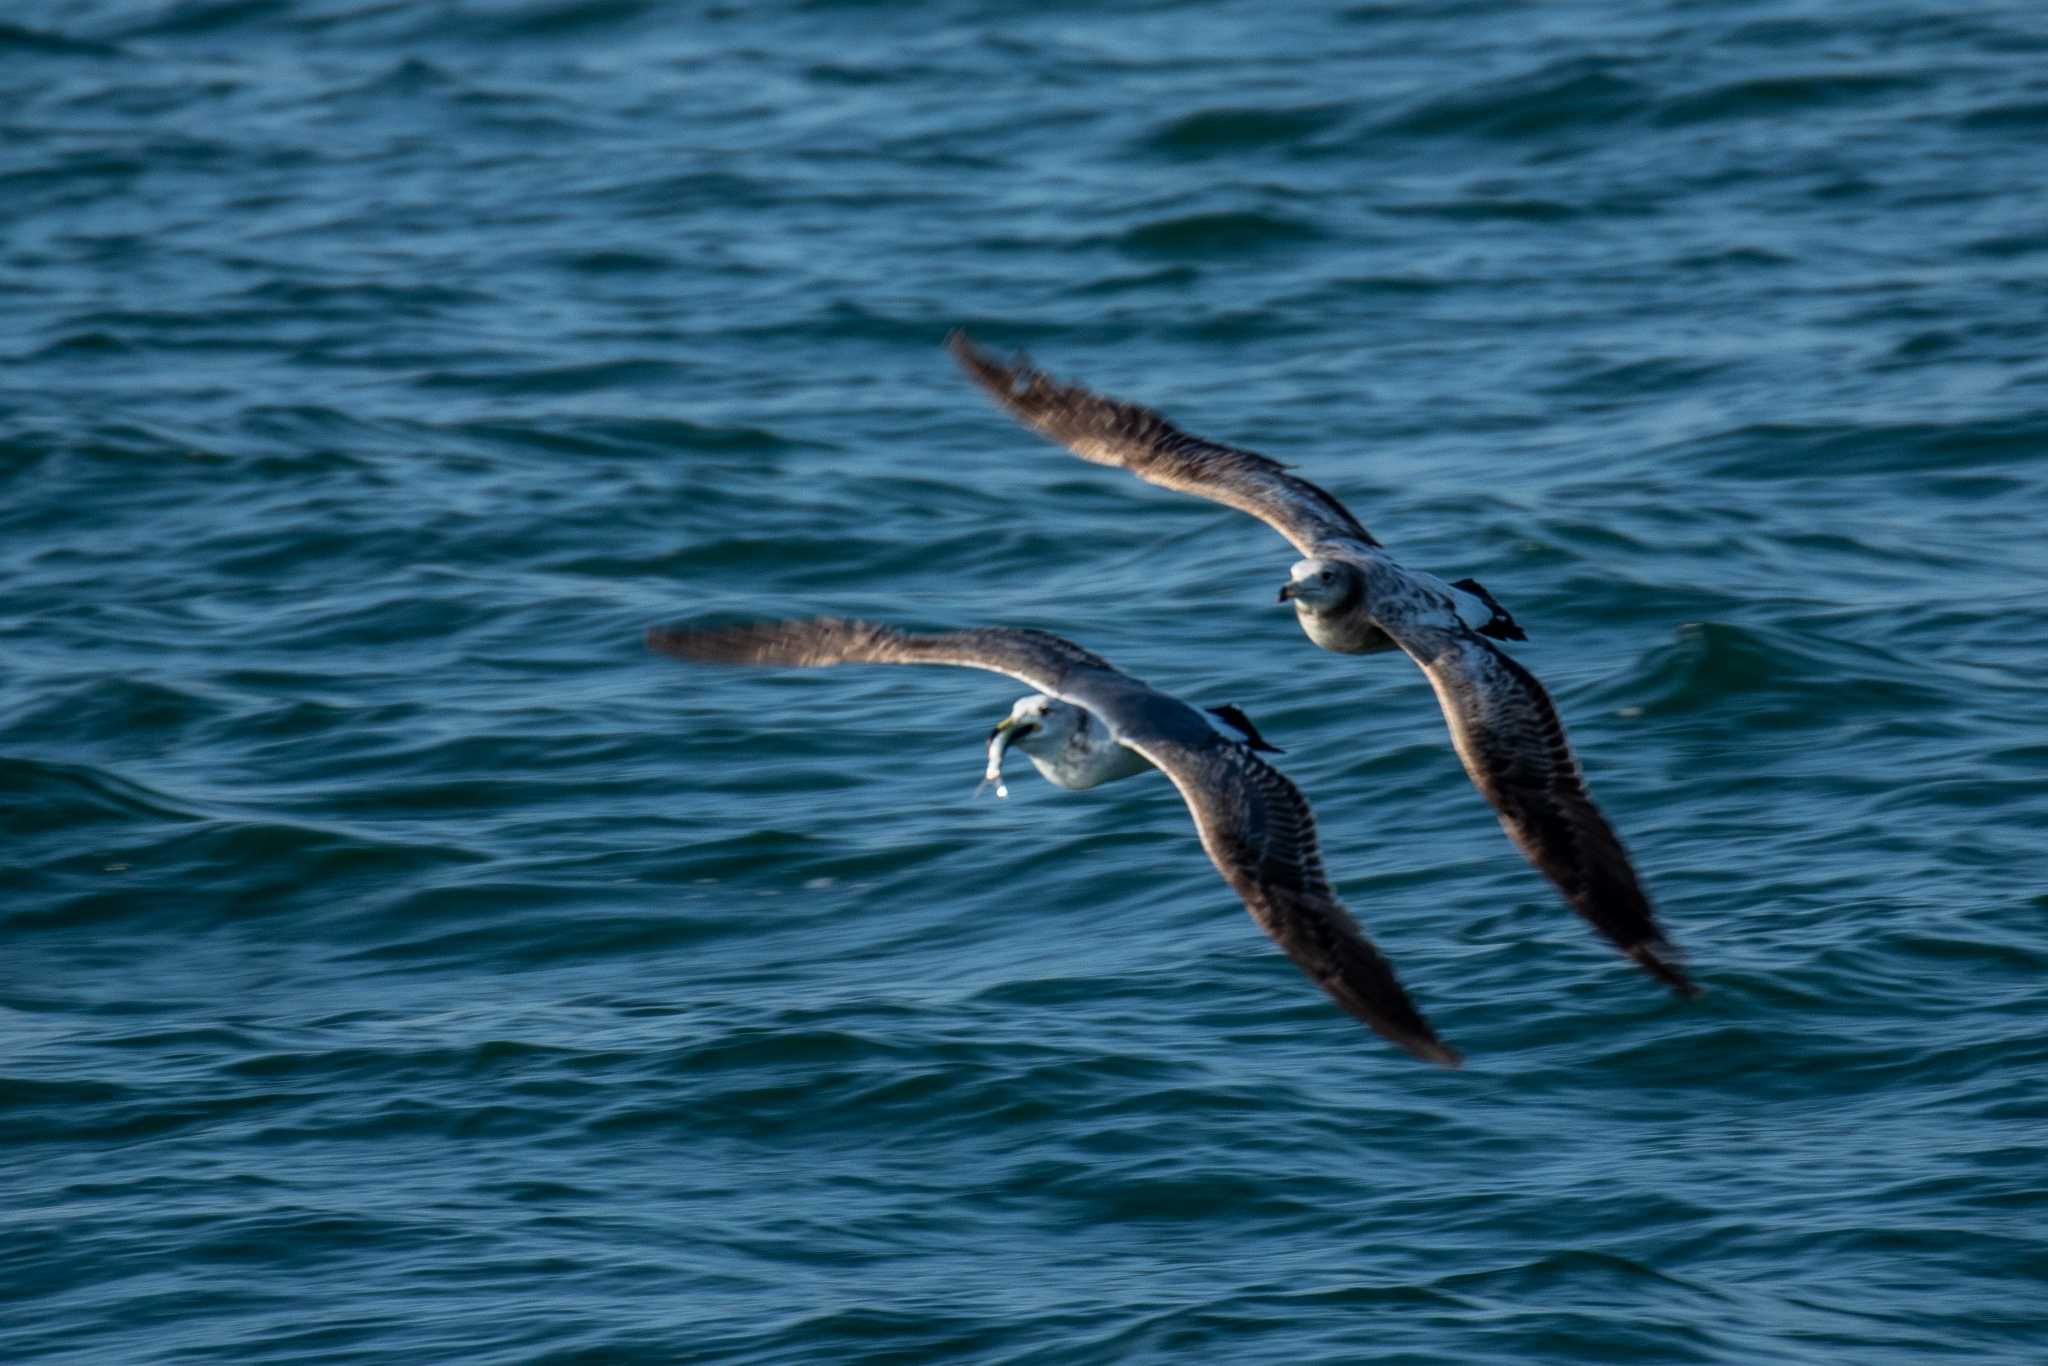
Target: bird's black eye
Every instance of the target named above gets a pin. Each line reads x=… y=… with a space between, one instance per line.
x=1326 y=576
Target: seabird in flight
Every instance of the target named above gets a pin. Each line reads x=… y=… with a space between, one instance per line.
x=1090 y=724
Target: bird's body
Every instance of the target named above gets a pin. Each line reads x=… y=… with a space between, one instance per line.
x=1357 y=599
x=1090 y=724
x=1353 y=597
x=1070 y=746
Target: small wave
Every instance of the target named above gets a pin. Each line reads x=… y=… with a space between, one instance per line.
x=1786 y=450
x=712 y=192
x=1715 y=664
x=611 y=261
x=852 y=74
x=1217 y=234
x=1587 y=1271
x=1174 y=1192
x=68 y=170
x=555 y=19
x=2005 y=246
x=2020 y=116
x=67 y=796
x=1167 y=277
x=121 y=705
x=512 y=926
x=1235 y=131
x=1640 y=376
x=408 y=76
x=1773 y=97
x=205 y=19
x=667 y=435
x=304 y=442
x=50 y=43
x=312 y=1234
x=1403 y=12
x=277 y=866
x=1484 y=208
x=1379 y=286
x=1580 y=93
x=1734 y=259
x=610 y=435
x=804 y=560
x=79 y=345
x=626 y=373
x=362 y=298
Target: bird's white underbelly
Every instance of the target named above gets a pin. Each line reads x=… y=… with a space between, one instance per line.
x=1092 y=765
x=1349 y=634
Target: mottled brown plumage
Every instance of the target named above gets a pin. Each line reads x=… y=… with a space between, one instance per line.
x=1110 y=432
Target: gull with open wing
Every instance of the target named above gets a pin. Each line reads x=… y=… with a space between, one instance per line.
x=1090 y=724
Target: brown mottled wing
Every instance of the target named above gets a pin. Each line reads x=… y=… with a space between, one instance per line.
x=1258 y=831
x=1137 y=439
x=1513 y=745
x=1254 y=824
x=1050 y=663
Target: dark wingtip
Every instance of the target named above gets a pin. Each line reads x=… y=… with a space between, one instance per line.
x=1437 y=1052
x=1233 y=716
x=692 y=647
x=980 y=366
x=1016 y=385
x=1501 y=626
x=738 y=644
x=1653 y=961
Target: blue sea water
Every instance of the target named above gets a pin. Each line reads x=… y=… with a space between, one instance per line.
x=399 y=964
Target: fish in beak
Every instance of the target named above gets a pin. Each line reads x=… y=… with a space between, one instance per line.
x=1006 y=733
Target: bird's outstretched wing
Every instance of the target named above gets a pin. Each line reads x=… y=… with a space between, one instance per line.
x=1514 y=747
x=1109 y=432
x=1047 y=662
x=1257 y=829
x=1254 y=824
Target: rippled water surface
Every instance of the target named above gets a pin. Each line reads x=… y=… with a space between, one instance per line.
x=400 y=964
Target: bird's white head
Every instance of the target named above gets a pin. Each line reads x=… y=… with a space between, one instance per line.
x=1317 y=586
x=1039 y=725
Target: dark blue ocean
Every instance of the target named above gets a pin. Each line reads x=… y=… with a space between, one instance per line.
x=400 y=964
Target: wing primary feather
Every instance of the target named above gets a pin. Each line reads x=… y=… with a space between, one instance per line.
x=1108 y=431
x=1500 y=626
x=1508 y=735
x=1258 y=830
x=1039 y=658
x=1233 y=716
